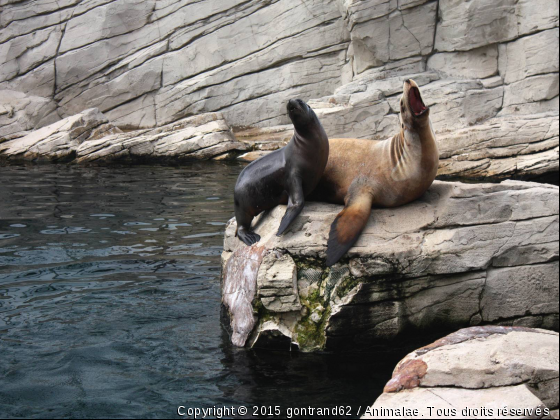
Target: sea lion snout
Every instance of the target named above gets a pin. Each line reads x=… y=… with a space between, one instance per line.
x=295 y=105
x=300 y=113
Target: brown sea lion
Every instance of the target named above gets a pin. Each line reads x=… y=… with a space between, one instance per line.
x=390 y=173
x=285 y=176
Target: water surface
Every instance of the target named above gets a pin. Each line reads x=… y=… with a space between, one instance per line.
x=110 y=301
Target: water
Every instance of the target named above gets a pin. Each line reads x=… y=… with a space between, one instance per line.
x=110 y=301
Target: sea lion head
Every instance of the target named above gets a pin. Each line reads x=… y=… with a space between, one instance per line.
x=301 y=114
x=414 y=113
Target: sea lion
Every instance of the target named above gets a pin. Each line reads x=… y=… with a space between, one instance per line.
x=365 y=173
x=285 y=176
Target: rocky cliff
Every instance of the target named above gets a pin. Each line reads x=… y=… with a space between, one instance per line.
x=487 y=64
x=463 y=255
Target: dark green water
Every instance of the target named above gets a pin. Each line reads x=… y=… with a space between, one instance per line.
x=110 y=301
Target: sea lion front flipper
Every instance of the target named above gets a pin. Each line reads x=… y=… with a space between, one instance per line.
x=295 y=205
x=247 y=236
x=349 y=225
x=244 y=232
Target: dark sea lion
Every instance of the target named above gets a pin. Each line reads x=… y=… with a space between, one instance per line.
x=285 y=176
x=390 y=173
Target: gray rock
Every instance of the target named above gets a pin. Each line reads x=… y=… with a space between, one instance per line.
x=23 y=53
x=59 y=141
x=277 y=284
x=450 y=403
x=201 y=137
x=529 y=56
x=528 y=293
x=400 y=35
x=106 y=21
x=461 y=255
x=480 y=63
x=474 y=369
x=501 y=148
x=21 y=113
x=468 y=25
x=147 y=64
x=238 y=290
x=39 y=82
x=187 y=79
x=532 y=89
x=89 y=137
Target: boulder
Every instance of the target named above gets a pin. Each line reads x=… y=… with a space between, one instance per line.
x=475 y=373
x=463 y=255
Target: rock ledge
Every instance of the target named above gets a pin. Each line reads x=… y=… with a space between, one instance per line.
x=463 y=255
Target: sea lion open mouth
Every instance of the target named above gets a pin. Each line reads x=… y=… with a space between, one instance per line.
x=416 y=102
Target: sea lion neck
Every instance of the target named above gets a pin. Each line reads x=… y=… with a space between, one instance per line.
x=310 y=134
x=420 y=128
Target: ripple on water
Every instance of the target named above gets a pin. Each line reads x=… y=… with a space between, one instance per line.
x=9 y=235
x=110 y=300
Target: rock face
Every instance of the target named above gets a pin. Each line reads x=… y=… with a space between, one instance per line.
x=463 y=255
x=478 y=367
x=89 y=137
x=148 y=63
x=58 y=142
x=145 y=64
x=21 y=113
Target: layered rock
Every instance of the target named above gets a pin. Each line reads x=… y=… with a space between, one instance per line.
x=58 y=142
x=484 y=66
x=201 y=137
x=21 y=113
x=462 y=255
x=507 y=147
x=89 y=137
x=148 y=63
x=476 y=369
x=481 y=66
x=262 y=141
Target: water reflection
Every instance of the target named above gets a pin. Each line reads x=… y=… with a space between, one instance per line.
x=110 y=301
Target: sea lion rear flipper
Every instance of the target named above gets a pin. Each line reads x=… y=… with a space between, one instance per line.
x=295 y=205
x=348 y=226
